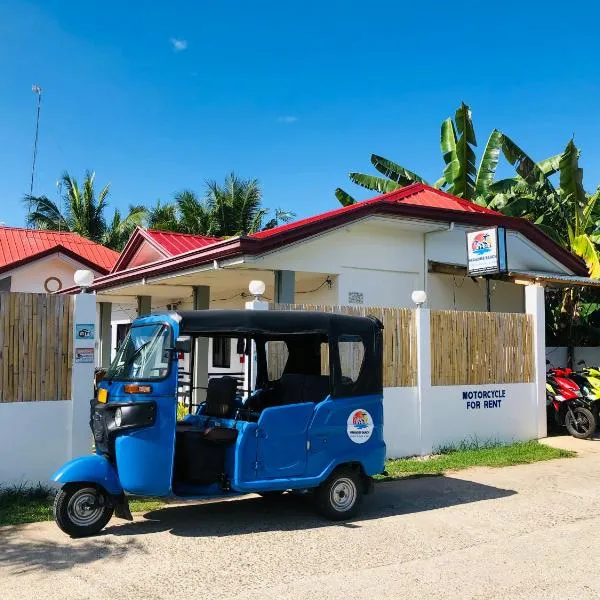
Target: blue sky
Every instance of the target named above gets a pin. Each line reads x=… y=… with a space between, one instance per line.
x=159 y=96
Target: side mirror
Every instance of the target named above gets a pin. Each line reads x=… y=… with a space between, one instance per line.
x=183 y=344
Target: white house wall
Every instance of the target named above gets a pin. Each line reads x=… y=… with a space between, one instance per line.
x=383 y=263
x=449 y=292
x=31 y=276
x=451 y=247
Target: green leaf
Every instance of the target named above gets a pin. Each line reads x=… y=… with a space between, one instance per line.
x=583 y=246
x=549 y=166
x=571 y=187
x=344 y=198
x=464 y=123
x=448 y=142
x=489 y=162
x=525 y=166
x=440 y=183
x=395 y=172
x=463 y=173
x=377 y=184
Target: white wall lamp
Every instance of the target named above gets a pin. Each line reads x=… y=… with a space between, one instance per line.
x=419 y=297
x=83 y=278
x=257 y=288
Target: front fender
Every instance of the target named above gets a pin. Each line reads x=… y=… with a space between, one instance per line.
x=93 y=468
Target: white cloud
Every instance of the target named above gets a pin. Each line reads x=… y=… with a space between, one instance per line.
x=179 y=45
x=287 y=119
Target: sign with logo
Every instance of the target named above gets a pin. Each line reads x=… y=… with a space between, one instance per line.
x=486 y=251
x=84 y=331
x=84 y=355
x=359 y=426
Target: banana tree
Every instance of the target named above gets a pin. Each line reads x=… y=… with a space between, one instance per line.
x=460 y=177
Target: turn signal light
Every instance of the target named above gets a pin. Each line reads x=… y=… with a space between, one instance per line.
x=132 y=388
x=102 y=395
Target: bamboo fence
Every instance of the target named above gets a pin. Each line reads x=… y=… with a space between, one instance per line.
x=470 y=348
x=399 y=344
x=36 y=347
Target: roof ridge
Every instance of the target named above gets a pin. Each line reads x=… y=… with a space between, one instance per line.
x=196 y=235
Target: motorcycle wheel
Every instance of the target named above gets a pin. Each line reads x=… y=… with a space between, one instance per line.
x=583 y=425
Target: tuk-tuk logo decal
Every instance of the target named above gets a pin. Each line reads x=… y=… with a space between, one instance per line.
x=359 y=426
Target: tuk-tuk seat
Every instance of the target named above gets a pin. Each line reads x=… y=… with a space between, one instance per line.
x=220 y=396
x=294 y=388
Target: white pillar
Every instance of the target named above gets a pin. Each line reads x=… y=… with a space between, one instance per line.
x=201 y=300
x=424 y=389
x=104 y=335
x=250 y=374
x=82 y=378
x=534 y=306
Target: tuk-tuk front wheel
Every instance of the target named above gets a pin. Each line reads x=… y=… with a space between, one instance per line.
x=340 y=496
x=82 y=509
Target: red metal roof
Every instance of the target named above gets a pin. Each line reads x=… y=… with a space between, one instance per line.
x=417 y=194
x=178 y=243
x=19 y=246
x=416 y=201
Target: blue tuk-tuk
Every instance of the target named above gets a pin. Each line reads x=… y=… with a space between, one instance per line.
x=309 y=418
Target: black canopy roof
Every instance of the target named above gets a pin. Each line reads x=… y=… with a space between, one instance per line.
x=273 y=322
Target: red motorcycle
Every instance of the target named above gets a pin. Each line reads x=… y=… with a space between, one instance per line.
x=567 y=406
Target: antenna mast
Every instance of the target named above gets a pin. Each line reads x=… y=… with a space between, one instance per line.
x=36 y=89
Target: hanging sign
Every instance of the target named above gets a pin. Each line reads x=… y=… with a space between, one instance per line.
x=486 y=251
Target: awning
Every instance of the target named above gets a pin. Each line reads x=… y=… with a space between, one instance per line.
x=552 y=278
x=519 y=277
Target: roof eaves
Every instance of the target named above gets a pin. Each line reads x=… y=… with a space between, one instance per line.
x=54 y=250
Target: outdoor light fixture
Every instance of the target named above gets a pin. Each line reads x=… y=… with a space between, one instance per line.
x=419 y=297
x=83 y=278
x=257 y=288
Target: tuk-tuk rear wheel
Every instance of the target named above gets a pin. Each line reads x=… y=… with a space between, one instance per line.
x=82 y=509
x=340 y=496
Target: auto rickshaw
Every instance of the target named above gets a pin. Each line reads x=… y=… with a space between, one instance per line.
x=309 y=417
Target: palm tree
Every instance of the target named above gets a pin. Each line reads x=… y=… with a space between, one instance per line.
x=460 y=177
x=231 y=209
x=84 y=213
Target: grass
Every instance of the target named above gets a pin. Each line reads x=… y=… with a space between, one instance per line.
x=31 y=504
x=473 y=454
x=23 y=504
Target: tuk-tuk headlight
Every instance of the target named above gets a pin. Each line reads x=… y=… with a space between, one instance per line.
x=118 y=417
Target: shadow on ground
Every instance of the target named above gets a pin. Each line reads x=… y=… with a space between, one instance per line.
x=248 y=515
x=22 y=550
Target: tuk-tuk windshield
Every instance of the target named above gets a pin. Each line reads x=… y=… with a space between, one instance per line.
x=144 y=354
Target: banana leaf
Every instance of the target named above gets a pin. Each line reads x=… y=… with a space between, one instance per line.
x=488 y=164
x=583 y=246
x=344 y=198
x=549 y=166
x=448 y=141
x=526 y=167
x=377 y=184
x=463 y=174
x=395 y=172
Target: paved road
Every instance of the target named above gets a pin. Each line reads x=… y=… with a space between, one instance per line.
x=522 y=532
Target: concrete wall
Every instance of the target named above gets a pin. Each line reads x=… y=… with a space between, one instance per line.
x=401 y=427
x=449 y=418
x=558 y=355
x=34 y=440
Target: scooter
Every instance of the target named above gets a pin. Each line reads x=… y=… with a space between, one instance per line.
x=567 y=404
x=588 y=379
